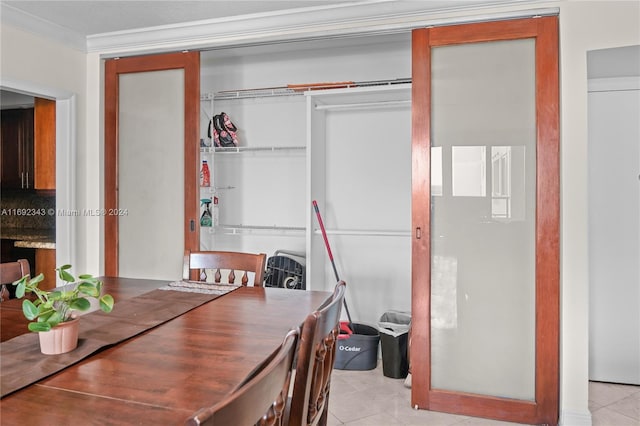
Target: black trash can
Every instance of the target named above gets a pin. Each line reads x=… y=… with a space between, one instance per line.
x=394 y=335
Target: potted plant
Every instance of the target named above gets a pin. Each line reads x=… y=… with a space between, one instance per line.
x=52 y=312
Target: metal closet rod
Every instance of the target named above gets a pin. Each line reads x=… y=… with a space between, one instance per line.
x=378 y=104
x=237 y=149
x=236 y=229
x=366 y=233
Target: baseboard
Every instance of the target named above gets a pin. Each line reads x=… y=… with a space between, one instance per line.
x=575 y=418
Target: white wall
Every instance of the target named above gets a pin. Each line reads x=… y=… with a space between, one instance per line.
x=366 y=184
x=31 y=64
x=30 y=58
x=584 y=26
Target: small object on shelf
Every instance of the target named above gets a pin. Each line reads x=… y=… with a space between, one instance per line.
x=205 y=174
x=224 y=131
x=216 y=212
x=227 y=122
x=205 y=219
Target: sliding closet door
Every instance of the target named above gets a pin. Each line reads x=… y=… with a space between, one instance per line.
x=151 y=143
x=485 y=250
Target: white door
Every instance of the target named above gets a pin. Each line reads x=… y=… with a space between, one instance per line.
x=614 y=231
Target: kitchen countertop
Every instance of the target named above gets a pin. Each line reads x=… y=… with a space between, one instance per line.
x=30 y=237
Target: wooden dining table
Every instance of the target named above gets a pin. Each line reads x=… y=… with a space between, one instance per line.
x=166 y=373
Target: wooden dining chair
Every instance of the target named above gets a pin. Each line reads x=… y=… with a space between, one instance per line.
x=10 y=272
x=196 y=262
x=261 y=398
x=309 y=404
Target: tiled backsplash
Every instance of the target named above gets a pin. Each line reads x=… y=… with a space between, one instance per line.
x=27 y=209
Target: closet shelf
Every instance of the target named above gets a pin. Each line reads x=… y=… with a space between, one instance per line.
x=360 y=105
x=253 y=93
x=214 y=189
x=298 y=90
x=245 y=229
x=238 y=149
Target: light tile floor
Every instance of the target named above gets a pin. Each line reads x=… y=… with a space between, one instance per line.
x=368 y=398
x=614 y=405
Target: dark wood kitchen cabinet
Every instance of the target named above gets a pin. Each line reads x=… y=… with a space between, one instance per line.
x=16 y=151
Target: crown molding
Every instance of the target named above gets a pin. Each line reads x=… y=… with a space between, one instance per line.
x=336 y=20
x=30 y=23
x=375 y=17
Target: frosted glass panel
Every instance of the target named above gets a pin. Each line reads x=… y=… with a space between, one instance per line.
x=483 y=219
x=151 y=174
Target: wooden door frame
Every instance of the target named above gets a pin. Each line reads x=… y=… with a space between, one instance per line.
x=190 y=62
x=44 y=143
x=545 y=408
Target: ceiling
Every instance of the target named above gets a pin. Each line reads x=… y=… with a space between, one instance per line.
x=117 y=27
x=87 y=18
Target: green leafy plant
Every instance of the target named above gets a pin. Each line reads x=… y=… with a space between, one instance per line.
x=51 y=307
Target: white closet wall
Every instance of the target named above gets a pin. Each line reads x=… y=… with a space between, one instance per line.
x=355 y=160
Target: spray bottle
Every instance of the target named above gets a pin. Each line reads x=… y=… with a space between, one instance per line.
x=205 y=174
x=205 y=219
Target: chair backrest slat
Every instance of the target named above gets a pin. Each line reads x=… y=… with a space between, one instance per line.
x=10 y=272
x=195 y=262
x=316 y=353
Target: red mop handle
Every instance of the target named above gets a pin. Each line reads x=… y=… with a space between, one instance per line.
x=324 y=233
x=333 y=264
